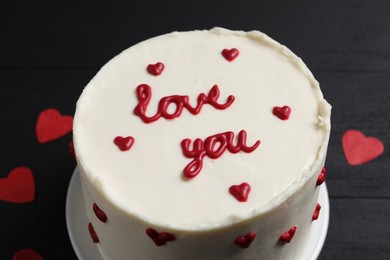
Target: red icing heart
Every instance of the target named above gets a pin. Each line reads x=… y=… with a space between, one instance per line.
x=159 y=238
x=124 y=143
x=71 y=149
x=27 y=254
x=287 y=236
x=156 y=69
x=52 y=125
x=240 y=192
x=316 y=212
x=99 y=213
x=245 y=241
x=93 y=234
x=282 y=113
x=231 y=54
x=321 y=177
x=359 y=149
x=18 y=187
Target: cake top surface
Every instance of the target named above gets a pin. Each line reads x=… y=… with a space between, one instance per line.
x=152 y=174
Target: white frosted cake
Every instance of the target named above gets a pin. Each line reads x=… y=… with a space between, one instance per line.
x=202 y=145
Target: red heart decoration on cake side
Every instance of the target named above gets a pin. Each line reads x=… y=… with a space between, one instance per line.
x=100 y=214
x=321 y=177
x=282 y=113
x=240 y=192
x=52 y=125
x=124 y=143
x=71 y=149
x=18 y=187
x=156 y=69
x=316 y=213
x=360 y=149
x=27 y=254
x=231 y=54
x=287 y=236
x=159 y=238
x=92 y=233
x=245 y=241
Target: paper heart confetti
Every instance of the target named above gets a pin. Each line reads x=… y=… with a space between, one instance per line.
x=159 y=238
x=360 y=149
x=287 y=236
x=27 y=254
x=18 y=187
x=282 y=113
x=245 y=241
x=231 y=54
x=156 y=69
x=124 y=143
x=51 y=125
x=240 y=192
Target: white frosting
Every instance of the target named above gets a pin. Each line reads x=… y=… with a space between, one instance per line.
x=146 y=184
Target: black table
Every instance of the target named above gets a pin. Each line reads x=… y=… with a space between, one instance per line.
x=49 y=51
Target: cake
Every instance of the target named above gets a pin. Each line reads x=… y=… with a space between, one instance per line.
x=202 y=145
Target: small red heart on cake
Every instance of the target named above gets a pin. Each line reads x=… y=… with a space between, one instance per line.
x=156 y=69
x=282 y=113
x=124 y=143
x=316 y=212
x=231 y=54
x=27 y=254
x=71 y=149
x=92 y=233
x=321 y=177
x=245 y=241
x=18 y=187
x=240 y=192
x=360 y=149
x=100 y=214
x=159 y=238
x=287 y=236
x=52 y=125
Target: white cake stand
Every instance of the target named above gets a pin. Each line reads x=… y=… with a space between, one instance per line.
x=77 y=222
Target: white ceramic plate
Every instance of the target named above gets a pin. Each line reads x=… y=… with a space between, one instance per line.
x=77 y=222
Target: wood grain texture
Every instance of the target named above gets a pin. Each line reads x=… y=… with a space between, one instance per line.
x=49 y=52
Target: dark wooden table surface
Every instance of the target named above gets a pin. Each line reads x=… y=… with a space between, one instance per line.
x=49 y=51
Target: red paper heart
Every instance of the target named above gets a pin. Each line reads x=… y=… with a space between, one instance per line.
x=92 y=233
x=100 y=214
x=287 y=236
x=282 y=113
x=159 y=238
x=240 y=192
x=156 y=69
x=245 y=241
x=231 y=54
x=27 y=254
x=316 y=212
x=321 y=177
x=52 y=125
x=359 y=149
x=18 y=187
x=124 y=143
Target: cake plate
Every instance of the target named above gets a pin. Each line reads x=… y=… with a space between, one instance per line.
x=77 y=223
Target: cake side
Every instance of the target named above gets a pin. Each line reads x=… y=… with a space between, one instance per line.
x=257 y=101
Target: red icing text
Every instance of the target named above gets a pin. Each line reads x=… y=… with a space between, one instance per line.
x=144 y=94
x=213 y=147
